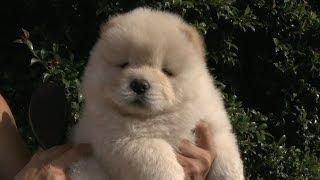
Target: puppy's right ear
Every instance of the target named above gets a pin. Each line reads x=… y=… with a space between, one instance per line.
x=107 y=26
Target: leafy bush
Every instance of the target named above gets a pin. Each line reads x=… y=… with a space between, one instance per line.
x=265 y=55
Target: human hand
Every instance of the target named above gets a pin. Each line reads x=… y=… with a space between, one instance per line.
x=53 y=163
x=196 y=160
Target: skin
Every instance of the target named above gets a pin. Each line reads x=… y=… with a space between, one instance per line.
x=13 y=151
x=53 y=163
x=196 y=160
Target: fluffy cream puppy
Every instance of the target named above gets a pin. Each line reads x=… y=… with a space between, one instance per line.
x=145 y=86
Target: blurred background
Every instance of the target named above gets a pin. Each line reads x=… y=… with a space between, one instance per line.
x=264 y=55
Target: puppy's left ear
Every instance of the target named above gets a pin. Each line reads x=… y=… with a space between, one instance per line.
x=194 y=37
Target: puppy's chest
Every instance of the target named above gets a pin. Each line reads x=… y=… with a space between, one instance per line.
x=171 y=128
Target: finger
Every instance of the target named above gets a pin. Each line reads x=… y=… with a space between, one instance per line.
x=190 y=166
x=183 y=160
x=185 y=163
x=205 y=136
x=190 y=150
x=43 y=157
x=74 y=154
x=56 y=151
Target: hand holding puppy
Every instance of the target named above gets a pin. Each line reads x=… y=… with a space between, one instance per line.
x=196 y=160
x=53 y=163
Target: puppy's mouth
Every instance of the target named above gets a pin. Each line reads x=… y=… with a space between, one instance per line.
x=141 y=107
x=140 y=101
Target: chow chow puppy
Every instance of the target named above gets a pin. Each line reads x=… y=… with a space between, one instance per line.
x=146 y=86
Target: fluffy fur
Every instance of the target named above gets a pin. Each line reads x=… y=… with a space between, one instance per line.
x=138 y=140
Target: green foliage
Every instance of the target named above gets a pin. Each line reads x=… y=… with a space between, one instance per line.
x=265 y=55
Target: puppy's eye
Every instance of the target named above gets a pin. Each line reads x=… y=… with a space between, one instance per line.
x=123 y=65
x=167 y=72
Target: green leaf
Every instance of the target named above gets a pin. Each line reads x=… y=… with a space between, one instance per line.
x=55 y=47
x=43 y=53
x=282 y=139
x=34 y=60
x=29 y=44
x=251 y=27
x=247 y=11
x=46 y=76
x=18 y=41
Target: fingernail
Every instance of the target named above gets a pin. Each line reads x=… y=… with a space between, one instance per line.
x=181 y=143
x=185 y=141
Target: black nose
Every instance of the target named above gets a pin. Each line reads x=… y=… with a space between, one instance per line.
x=139 y=86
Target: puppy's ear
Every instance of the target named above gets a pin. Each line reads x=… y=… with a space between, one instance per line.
x=107 y=25
x=194 y=37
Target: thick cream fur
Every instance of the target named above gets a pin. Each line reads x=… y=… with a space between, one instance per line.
x=139 y=142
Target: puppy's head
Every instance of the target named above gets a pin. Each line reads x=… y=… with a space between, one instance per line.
x=145 y=62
